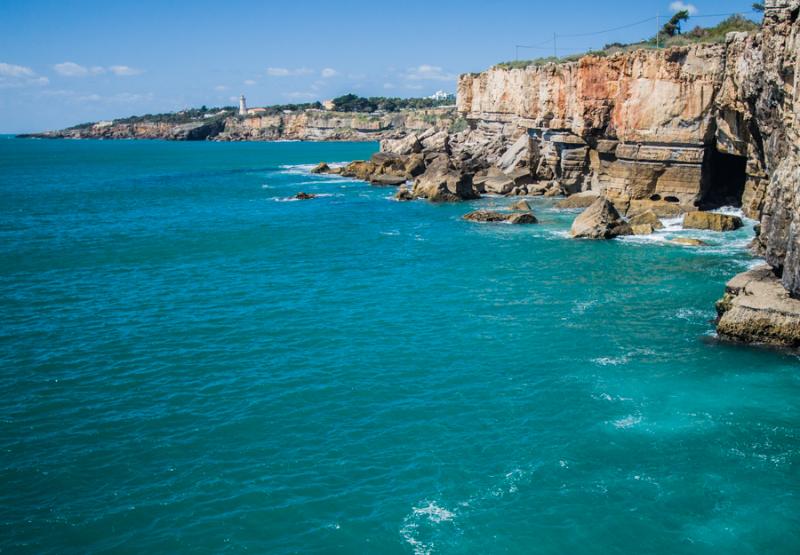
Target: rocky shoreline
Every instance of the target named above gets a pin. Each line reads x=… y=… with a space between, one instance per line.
x=633 y=138
x=304 y=125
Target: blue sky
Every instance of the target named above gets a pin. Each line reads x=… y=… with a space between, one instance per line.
x=64 y=62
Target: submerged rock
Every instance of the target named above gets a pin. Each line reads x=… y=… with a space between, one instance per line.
x=688 y=241
x=304 y=196
x=322 y=167
x=756 y=308
x=711 y=221
x=488 y=216
x=600 y=221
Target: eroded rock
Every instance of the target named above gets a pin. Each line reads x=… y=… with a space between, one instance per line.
x=600 y=221
x=488 y=216
x=711 y=221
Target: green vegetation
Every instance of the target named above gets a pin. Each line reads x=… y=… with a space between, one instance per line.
x=673 y=26
x=697 y=35
x=355 y=103
x=280 y=108
x=758 y=7
x=459 y=125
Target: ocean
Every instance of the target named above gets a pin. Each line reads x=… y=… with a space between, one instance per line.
x=194 y=363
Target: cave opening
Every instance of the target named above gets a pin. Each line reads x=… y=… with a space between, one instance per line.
x=725 y=180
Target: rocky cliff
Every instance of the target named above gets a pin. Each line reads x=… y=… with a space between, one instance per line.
x=307 y=125
x=675 y=130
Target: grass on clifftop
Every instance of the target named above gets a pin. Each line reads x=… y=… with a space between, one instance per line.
x=698 y=35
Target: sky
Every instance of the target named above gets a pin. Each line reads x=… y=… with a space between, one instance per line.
x=64 y=62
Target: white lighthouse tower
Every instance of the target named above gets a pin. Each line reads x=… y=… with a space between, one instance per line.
x=242 y=106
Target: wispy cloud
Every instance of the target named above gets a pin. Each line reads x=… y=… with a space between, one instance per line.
x=681 y=6
x=71 y=69
x=221 y=88
x=388 y=85
x=119 y=98
x=124 y=71
x=329 y=72
x=12 y=75
x=285 y=72
x=427 y=72
x=249 y=82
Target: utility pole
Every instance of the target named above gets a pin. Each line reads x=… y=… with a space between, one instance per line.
x=555 y=46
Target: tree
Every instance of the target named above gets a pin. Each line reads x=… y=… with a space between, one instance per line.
x=758 y=7
x=673 y=26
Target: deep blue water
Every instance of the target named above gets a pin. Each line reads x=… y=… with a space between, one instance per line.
x=192 y=364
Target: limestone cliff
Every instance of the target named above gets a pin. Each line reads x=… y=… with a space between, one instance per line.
x=307 y=125
x=700 y=125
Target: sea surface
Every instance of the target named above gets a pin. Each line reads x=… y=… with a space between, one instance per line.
x=194 y=363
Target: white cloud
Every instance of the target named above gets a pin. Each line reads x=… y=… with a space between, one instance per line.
x=388 y=86
x=220 y=88
x=11 y=70
x=71 y=69
x=249 y=82
x=124 y=71
x=12 y=75
x=329 y=72
x=427 y=72
x=681 y=6
x=119 y=98
x=414 y=87
x=284 y=72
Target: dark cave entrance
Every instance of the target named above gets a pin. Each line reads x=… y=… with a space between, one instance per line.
x=726 y=175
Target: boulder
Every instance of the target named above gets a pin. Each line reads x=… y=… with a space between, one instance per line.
x=688 y=241
x=499 y=185
x=521 y=205
x=403 y=194
x=646 y=218
x=304 y=196
x=322 y=167
x=711 y=221
x=443 y=184
x=405 y=146
x=642 y=229
x=414 y=165
x=359 y=169
x=488 y=216
x=579 y=200
x=756 y=308
x=517 y=155
x=521 y=176
x=388 y=179
x=438 y=142
x=600 y=221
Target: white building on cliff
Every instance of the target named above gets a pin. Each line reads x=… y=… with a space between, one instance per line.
x=242 y=106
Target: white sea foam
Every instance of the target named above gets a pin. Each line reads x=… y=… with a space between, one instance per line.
x=627 y=422
x=611 y=361
x=430 y=514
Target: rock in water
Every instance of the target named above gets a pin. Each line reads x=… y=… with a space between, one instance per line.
x=487 y=216
x=443 y=184
x=646 y=218
x=643 y=229
x=521 y=205
x=304 y=196
x=387 y=179
x=757 y=309
x=600 y=221
x=579 y=200
x=403 y=194
x=688 y=241
x=322 y=167
x=711 y=221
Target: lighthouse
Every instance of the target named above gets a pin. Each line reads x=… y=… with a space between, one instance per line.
x=242 y=106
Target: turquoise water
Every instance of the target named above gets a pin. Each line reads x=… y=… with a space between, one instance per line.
x=192 y=364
